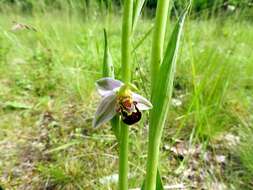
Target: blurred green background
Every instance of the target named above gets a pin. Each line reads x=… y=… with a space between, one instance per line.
x=197 y=5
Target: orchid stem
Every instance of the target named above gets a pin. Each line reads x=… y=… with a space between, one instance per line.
x=126 y=40
x=123 y=158
x=126 y=77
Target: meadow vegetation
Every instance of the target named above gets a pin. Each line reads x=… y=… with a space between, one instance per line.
x=48 y=99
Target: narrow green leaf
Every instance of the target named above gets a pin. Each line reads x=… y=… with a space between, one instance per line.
x=13 y=105
x=137 y=11
x=159 y=183
x=162 y=92
x=108 y=69
x=115 y=123
x=63 y=147
x=163 y=89
x=140 y=42
x=143 y=185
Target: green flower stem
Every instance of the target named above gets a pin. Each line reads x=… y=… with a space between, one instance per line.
x=156 y=128
x=126 y=40
x=123 y=157
x=158 y=39
x=126 y=77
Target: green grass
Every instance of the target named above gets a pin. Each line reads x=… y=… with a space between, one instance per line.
x=48 y=98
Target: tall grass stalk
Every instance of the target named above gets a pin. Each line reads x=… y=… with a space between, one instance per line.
x=126 y=77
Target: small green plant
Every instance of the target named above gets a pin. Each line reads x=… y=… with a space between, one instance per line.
x=118 y=98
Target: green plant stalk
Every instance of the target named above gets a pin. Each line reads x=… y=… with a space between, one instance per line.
x=123 y=157
x=126 y=77
x=126 y=40
x=158 y=39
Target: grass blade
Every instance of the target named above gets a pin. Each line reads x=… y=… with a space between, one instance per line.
x=140 y=42
x=163 y=89
x=137 y=11
x=62 y=147
x=108 y=69
x=13 y=105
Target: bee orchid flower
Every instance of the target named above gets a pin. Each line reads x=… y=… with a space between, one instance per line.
x=118 y=98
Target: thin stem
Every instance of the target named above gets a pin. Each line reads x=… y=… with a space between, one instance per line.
x=158 y=39
x=123 y=158
x=126 y=77
x=126 y=39
x=156 y=128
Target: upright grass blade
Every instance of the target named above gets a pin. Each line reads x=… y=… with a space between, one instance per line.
x=140 y=42
x=108 y=71
x=161 y=99
x=137 y=11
